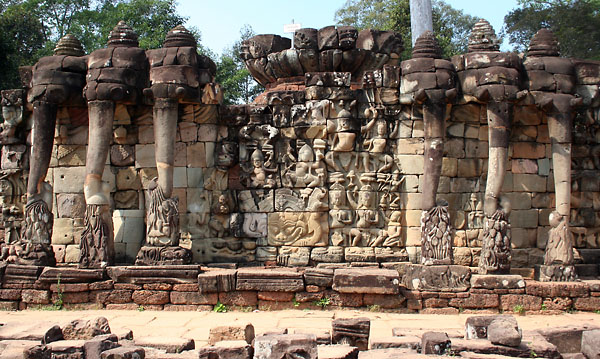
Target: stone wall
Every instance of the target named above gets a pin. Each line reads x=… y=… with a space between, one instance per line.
x=199 y=183
x=189 y=288
x=323 y=167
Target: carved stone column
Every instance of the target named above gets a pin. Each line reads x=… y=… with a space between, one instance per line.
x=57 y=80
x=116 y=74
x=169 y=88
x=430 y=80
x=551 y=85
x=492 y=79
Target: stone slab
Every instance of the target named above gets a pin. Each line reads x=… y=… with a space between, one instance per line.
x=366 y=280
x=438 y=278
x=71 y=275
x=154 y=274
x=271 y=280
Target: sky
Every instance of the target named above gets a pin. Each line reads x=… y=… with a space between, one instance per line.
x=220 y=21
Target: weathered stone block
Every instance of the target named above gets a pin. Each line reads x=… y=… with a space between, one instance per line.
x=351 y=331
x=374 y=281
x=243 y=332
x=275 y=280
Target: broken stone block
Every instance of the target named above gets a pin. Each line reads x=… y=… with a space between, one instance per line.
x=322 y=277
x=36 y=352
x=476 y=327
x=337 y=351
x=435 y=343
x=504 y=330
x=52 y=335
x=231 y=332
x=409 y=342
x=168 y=344
x=86 y=329
x=286 y=346
x=67 y=349
x=124 y=353
x=363 y=280
x=590 y=344
x=351 y=331
x=217 y=281
x=567 y=338
x=229 y=349
x=270 y=280
x=93 y=348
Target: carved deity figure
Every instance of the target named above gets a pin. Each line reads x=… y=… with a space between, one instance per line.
x=261 y=176
x=12 y=113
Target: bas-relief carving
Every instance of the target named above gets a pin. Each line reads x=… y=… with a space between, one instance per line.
x=302 y=229
x=12 y=113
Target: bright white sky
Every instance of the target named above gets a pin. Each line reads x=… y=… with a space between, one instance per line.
x=220 y=21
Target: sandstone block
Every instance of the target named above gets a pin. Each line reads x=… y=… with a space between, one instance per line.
x=243 y=332
x=373 y=281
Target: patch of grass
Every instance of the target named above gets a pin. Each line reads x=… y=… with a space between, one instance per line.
x=323 y=303
x=374 y=308
x=141 y=308
x=220 y=308
x=519 y=309
x=533 y=354
x=597 y=311
x=295 y=302
x=544 y=306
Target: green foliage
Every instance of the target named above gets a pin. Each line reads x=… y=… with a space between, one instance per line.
x=141 y=308
x=323 y=303
x=576 y=24
x=451 y=26
x=31 y=28
x=237 y=83
x=597 y=311
x=21 y=39
x=295 y=302
x=220 y=308
x=374 y=308
x=58 y=302
x=544 y=306
x=519 y=309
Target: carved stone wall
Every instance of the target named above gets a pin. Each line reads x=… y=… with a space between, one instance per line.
x=322 y=167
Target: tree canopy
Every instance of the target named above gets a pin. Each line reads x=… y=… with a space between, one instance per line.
x=576 y=24
x=451 y=26
x=237 y=83
x=31 y=28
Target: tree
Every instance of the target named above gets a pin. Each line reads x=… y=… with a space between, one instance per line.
x=451 y=26
x=576 y=24
x=31 y=28
x=20 y=39
x=238 y=85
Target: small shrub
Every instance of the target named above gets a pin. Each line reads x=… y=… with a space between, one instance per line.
x=220 y=308
x=323 y=303
x=519 y=309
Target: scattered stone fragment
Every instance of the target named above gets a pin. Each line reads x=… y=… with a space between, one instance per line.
x=337 y=351
x=504 y=330
x=351 y=331
x=590 y=344
x=124 y=353
x=53 y=334
x=93 y=348
x=435 y=343
x=231 y=332
x=228 y=349
x=168 y=344
x=86 y=329
x=285 y=346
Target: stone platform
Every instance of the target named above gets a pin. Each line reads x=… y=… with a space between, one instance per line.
x=192 y=287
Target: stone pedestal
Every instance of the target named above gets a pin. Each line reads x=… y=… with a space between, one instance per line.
x=151 y=256
x=555 y=273
x=437 y=278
